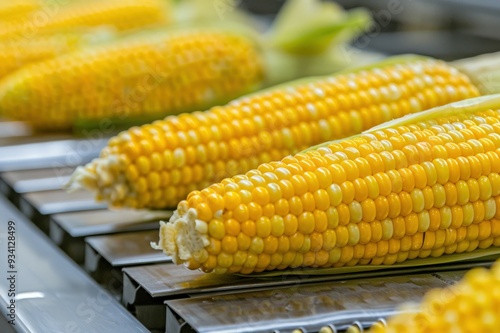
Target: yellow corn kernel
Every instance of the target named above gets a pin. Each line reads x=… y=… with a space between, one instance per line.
x=119 y=14
x=423 y=232
x=153 y=75
x=470 y=305
x=15 y=8
x=21 y=52
x=300 y=107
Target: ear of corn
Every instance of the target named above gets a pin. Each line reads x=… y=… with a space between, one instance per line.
x=119 y=14
x=20 y=52
x=471 y=305
x=408 y=189
x=158 y=164
x=156 y=75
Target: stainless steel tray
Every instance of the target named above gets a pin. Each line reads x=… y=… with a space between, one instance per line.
x=307 y=307
x=105 y=256
x=53 y=294
x=26 y=181
x=57 y=151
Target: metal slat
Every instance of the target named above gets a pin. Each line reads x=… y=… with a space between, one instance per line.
x=5 y=327
x=20 y=141
x=68 y=230
x=26 y=181
x=83 y=224
x=306 y=306
x=170 y=280
x=4 y=188
x=128 y=249
x=56 y=202
x=9 y=129
x=59 y=201
x=149 y=285
x=38 y=206
x=16 y=155
x=15 y=183
x=105 y=256
x=53 y=294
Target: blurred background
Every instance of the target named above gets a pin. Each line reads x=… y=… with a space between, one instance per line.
x=445 y=29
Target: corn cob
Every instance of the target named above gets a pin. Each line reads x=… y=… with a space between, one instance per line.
x=13 y=8
x=157 y=165
x=151 y=75
x=424 y=185
x=18 y=53
x=472 y=305
x=160 y=74
x=120 y=14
